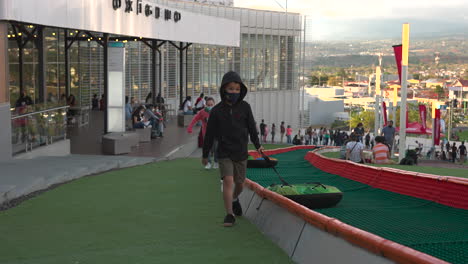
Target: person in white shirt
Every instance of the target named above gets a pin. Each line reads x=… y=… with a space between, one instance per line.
x=187 y=106
x=355 y=150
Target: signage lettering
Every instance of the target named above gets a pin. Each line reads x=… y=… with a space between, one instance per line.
x=128 y=6
x=139 y=8
x=167 y=14
x=147 y=9
x=177 y=16
x=157 y=12
x=116 y=4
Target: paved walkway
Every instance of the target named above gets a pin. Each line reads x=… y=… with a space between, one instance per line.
x=87 y=140
x=21 y=177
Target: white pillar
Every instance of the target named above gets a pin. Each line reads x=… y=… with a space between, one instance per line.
x=116 y=91
x=404 y=87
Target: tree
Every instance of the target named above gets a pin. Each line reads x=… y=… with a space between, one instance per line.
x=334 y=81
x=317 y=80
x=367 y=118
x=439 y=91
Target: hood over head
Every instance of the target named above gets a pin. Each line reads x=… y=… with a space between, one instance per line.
x=232 y=77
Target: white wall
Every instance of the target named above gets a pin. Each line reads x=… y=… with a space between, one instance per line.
x=275 y=106
x=322 y=112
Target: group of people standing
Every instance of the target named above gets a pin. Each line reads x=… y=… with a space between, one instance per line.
x=452 y=152
x=283 y=130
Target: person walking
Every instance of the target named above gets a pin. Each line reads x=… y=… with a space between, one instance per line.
x=203 y=116
x=359 y=132
x=273 y=132
x=462 y=152
x=288 y=135
x=265 y=133
x=231 y=122
x=282 y=131
x=262 y=130
x=454 y=152
x=389 y=133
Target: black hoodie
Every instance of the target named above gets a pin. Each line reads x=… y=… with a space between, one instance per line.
x=231 y=125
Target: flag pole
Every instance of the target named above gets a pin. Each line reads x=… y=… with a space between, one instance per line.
x=404 y=87
x=377 y=102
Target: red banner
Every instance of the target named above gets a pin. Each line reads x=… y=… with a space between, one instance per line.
x=398 y=50
x=423 y=116
x=384 y=112
x=436 y=134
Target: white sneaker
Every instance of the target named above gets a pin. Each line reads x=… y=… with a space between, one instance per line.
x=208 y=166
x=215 y=165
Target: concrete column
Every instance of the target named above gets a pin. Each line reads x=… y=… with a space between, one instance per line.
x=5 y=115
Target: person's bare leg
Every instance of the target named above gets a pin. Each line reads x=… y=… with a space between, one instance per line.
x=228 y=185
x=237 y=190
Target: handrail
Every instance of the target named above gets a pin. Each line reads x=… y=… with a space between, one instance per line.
x=39 y=112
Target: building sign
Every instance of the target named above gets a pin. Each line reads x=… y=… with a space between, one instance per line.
x=136 y=6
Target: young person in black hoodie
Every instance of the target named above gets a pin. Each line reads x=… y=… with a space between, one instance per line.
x=231 y=122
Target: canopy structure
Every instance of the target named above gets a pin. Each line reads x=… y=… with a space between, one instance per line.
x=417 y=128
x=138 y=18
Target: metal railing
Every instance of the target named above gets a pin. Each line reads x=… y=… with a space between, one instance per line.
x=39 y=128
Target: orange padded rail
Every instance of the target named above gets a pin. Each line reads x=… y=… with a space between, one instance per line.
x=358 y=237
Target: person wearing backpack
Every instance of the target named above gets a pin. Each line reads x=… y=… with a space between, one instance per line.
x=231 y=123
x=354 y=150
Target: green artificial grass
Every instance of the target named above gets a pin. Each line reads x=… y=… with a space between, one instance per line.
x=423 y=169
x=165 y=212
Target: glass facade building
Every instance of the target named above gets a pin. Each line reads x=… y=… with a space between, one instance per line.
x=268 y=59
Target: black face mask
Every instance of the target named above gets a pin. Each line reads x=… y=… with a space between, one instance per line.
x=232 y=97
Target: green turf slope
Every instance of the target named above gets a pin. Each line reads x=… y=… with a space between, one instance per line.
x=166 y=212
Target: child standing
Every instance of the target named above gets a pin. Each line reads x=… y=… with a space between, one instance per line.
x=288 y=135
x=203 y=116
x=231 y=122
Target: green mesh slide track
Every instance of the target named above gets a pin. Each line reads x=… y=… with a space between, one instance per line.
x=434 y=229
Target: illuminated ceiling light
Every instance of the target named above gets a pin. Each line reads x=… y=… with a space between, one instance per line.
x=84 y=35
x=116 y=39
x=35 y=36
x=76 y=31
x=9 y=36
x=135 y=39
x=53 y=33
x=30 y=26
x=99 y=38
x=71 y=33
x=19 y=34
x=89 y=40
x=13 y=36
x=141 y=37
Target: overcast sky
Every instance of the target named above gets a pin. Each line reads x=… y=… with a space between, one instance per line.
x=343 y=19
